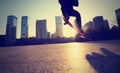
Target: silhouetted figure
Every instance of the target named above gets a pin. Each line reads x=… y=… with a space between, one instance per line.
x=67 y=10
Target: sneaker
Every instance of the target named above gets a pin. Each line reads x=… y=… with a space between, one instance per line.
x=81 y=31
x=65 y=23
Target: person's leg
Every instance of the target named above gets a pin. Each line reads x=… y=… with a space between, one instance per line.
x=66 y=18
x=78 y=17
x=65 y=14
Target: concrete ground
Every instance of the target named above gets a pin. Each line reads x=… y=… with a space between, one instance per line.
x=83 y=57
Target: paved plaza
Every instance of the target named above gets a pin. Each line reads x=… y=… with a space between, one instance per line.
x=75 y=57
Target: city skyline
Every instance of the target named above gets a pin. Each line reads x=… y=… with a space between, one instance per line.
x=45 y=9
x=95 y=30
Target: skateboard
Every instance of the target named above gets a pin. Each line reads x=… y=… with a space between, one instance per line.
x=79 y=33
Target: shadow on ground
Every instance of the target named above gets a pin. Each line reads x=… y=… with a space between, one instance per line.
x=108 y=62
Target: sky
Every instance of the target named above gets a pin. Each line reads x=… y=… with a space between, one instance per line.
x=48 y=9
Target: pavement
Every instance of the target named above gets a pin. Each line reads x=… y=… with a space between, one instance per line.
x=76 y=57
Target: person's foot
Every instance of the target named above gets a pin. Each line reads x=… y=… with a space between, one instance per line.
x=65 y=23
x=80 y=36
x=66 y=20
x=81 y=31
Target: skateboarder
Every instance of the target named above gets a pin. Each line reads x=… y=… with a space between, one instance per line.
x=67 y=11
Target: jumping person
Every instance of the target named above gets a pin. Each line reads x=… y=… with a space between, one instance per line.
x=67 y=11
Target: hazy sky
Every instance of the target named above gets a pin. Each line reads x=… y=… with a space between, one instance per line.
x=48 y=9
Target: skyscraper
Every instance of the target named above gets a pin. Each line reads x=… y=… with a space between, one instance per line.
x=24 y=27
x=89 y=26
x=118 y=16
x=11 y=29
x=59 y=29
x=106 y=24
x=98 y=23
x=41 y=29
x=48 y=35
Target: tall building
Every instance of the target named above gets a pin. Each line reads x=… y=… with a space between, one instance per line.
x=24 y=27
x=2 y=40
x=106 y=24
x=48 y=35
x=98 y=23
x=11 y=29
x=41 y=29
x=59 y=28
x=88 y=26
x=118 y=16
x=53 y=35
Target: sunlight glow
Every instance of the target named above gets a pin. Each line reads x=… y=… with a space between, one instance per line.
x=74 y=51
x=68 y=31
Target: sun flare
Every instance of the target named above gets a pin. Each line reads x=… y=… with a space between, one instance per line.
x=68 y=31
